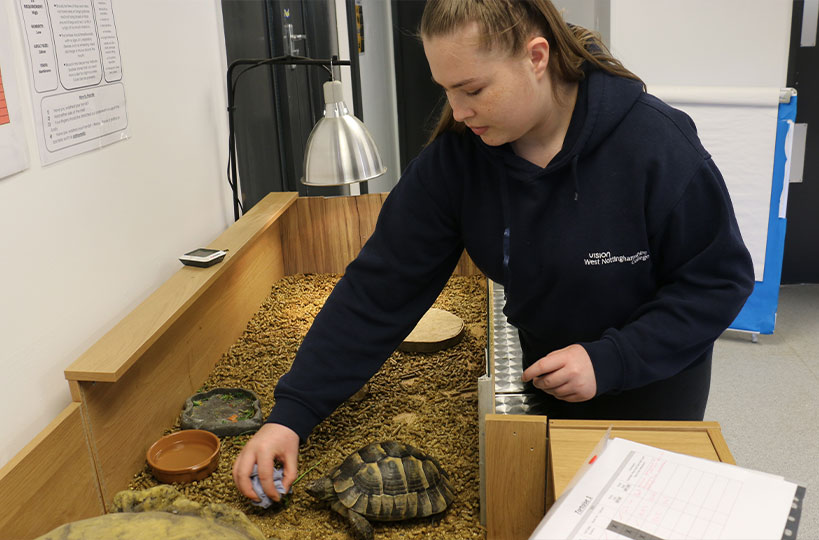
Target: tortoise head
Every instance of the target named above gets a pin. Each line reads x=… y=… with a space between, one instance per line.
x=322 y=489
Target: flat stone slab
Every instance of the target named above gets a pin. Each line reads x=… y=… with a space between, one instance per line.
x=437 y=330
x=225 y=412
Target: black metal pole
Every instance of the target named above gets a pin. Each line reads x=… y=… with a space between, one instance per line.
x=252 y=63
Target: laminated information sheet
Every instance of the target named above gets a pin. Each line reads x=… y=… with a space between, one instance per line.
x=76 y=73
x=636 y=491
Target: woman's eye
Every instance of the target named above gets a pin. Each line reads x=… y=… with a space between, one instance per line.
x=475 y=92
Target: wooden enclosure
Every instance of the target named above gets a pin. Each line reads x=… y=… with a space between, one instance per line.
x=131 y=384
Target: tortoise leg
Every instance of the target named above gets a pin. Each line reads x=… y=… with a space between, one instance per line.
x=361 y=526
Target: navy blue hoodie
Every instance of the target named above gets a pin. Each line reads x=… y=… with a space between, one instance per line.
x=625 y=243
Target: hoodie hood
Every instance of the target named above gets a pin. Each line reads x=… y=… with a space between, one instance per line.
x=603 y=101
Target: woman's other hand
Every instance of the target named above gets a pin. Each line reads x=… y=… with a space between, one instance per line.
x=566 y=374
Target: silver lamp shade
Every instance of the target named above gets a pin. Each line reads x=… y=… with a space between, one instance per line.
x=340 y=150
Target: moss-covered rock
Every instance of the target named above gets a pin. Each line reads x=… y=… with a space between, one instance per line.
x=160 y=512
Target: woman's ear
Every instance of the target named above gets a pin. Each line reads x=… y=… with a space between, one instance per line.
x=538 y=50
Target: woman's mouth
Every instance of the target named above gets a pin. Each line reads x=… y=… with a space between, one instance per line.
x=479 y=130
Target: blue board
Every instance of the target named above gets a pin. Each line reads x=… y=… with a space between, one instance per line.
x=759 y=313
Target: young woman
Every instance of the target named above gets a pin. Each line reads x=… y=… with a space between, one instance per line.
x=592 y=202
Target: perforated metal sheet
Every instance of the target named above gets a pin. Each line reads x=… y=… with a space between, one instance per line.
x=508 y=355
x=518 y=404
x=509 y=389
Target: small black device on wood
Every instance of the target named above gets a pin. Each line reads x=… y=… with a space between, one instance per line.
x=203 y=257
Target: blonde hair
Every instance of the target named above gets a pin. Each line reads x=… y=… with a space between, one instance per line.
x=507 y=25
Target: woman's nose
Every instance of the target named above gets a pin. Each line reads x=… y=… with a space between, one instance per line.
x=459 y=112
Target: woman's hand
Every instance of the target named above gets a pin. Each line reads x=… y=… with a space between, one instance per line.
x=273 y=442
x=566 y=374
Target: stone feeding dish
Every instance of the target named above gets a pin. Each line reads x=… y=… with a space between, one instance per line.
x=225 y=412
x=185 y=456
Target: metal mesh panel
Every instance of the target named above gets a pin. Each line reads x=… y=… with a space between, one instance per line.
x=510 y=397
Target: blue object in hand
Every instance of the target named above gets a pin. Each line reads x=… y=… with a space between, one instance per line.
x=264 y=500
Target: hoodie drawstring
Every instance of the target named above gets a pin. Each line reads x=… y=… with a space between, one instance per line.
x=575 y=178
x=507 y=213
x=507 y=240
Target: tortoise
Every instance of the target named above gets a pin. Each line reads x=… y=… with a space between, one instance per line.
x=385 y=481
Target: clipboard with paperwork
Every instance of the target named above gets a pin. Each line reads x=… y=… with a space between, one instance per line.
x=628 y=490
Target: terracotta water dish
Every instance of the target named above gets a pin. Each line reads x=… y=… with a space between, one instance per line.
x=185 y=456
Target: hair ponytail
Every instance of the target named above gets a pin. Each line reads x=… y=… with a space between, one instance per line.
x=508 y=25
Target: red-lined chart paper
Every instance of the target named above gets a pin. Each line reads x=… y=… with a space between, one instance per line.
x=4 y=109
x=13 y=144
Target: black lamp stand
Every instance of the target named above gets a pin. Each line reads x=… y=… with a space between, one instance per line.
x=253 y=63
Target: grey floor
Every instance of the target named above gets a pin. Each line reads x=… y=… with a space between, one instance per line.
x=765 y=395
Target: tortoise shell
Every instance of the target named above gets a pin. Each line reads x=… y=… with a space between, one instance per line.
x=390 y=481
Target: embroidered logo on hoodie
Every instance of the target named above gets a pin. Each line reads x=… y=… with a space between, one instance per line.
x=605 y=257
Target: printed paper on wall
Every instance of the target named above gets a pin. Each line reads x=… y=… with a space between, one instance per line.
x=77 y=90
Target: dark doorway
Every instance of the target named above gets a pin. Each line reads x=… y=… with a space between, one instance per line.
x=419 y=99
x=800 y=262
x=277 y=106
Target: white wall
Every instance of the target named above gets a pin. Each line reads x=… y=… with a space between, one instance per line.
x=703 y=42
x=592 y=14
x=87 y=239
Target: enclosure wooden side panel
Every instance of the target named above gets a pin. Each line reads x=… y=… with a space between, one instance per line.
x=516 y=452
x=126 y=416
x=323 y=235
x=51 y=481
x=720 y=446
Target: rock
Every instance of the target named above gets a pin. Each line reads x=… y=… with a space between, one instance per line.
x=145 y=526
x=437 y=330
x=225 y=412
x=160 y=512
x=156 y=499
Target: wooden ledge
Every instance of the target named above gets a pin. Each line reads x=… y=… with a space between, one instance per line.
x=637 y=425
x=111 y=357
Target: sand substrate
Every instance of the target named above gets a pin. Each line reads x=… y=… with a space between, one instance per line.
x=428 y=400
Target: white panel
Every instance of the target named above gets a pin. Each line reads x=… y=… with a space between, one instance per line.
x=344 y=73
x=579 y=13
x=703 y=42
x=810 y=18
x=797 y=166
x=378 y=89
x=86 y=239
x=592 y=14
